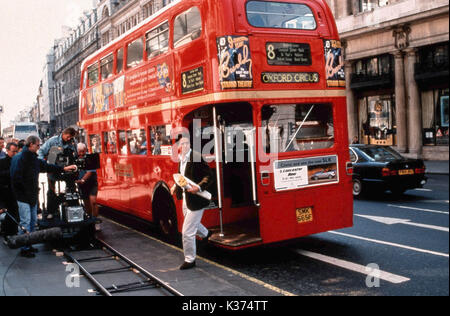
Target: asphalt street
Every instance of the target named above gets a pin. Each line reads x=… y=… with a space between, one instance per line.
x=398 y=246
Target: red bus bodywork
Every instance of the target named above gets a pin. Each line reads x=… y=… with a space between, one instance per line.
x=183 y=83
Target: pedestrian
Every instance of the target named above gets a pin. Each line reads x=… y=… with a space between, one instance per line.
x=2 y=148
x=194 y=168
x=7 y=198
x=21 y=145
x=65 y=141
x=25 y=169
x=88 y=184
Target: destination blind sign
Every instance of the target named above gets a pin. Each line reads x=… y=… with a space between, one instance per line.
x=288 y=54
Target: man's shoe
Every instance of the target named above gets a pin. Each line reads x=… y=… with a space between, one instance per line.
x=187 y=265
x=34 y=250
x=27 y=254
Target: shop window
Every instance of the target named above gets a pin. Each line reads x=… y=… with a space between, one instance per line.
x=377 y=120
x=160 y=143
x=298 y=127
x=374 y=66
x=137 y=142
x=135 y=53
x=188 y=27
x=95 y=144
x=435 y=117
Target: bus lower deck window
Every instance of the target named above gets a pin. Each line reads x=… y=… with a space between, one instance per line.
x=297 y=127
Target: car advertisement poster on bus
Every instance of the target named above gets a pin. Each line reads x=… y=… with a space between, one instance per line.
x=235 y=62
x=334 y=64
x=298 y=173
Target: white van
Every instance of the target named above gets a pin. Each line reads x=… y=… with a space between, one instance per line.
x=23 y=130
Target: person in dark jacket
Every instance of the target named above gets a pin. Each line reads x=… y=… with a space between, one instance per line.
x=7 y=198
x=65 y=141
x=25 y=169
x=194 y=168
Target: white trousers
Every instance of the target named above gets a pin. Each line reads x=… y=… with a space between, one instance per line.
x=192 y=227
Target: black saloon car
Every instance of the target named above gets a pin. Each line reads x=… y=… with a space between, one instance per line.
x=378 y=168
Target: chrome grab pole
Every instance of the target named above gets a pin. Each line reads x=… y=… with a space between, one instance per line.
x=250 y=135
x=218 y=152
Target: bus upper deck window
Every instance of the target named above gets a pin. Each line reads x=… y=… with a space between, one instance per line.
x=188 y=27
x=107 y=66
x=119 y=65
x=157 y=40
x=135 y=53
x=281 y=15
x=93 y=74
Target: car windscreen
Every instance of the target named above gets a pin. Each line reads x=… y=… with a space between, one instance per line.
x=381 y=153
x=26 y=129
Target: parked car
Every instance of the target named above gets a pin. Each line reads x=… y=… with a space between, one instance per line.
x=323 y=174
x=382 y=168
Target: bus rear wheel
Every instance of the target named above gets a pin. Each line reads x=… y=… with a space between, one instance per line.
x=165 y=216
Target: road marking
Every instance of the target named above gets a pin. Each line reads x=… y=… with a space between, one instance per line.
x=435 y=253
x=393 y=221
x=418 y=209
x=425 y=190
x=383 y=275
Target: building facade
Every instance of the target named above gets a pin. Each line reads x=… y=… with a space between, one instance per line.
x=107 y=21
x=70 y=51
x=116 y=17
x=397 y=62
x=45 y=98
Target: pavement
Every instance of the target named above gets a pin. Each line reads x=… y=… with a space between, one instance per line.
x=436 y=167
x=49 y=275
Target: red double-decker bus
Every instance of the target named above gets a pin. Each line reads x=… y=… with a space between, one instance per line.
x=260 y=87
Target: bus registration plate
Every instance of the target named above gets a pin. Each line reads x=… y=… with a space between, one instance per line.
x=304 y=215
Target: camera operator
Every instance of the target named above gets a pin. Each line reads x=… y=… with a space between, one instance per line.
x=66 y=142
x=25 y=169
x=87 y=182
x=7 y=198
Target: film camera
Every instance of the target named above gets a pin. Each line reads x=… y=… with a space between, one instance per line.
x=69 y=203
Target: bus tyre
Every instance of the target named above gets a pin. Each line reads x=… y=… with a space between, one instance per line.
x=357 y=188
x=165 y=216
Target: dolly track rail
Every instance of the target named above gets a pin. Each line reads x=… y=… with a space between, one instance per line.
x=151 y=282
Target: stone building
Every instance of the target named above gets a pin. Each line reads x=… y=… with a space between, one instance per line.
x=397 y=62
x=118 y=16
x=70 y=51
x=107 y=21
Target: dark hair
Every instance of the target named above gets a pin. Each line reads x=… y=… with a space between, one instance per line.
x=31 y=140
x=21 y=144
x=70 y=131
x=9 y=145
